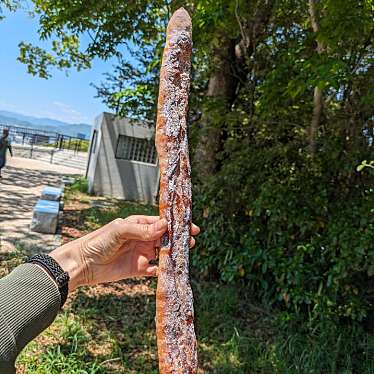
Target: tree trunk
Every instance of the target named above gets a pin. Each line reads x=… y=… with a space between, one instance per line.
x=318 y=94
x=230 y=64
x=221 y=90
x=316 y=118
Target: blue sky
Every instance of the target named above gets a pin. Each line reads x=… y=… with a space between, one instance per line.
x=66 y=98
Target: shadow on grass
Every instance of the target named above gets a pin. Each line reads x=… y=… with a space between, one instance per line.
x=9 y=260
x=122 y=314
x=125 y=316
x=111 y=328
x=81 y=218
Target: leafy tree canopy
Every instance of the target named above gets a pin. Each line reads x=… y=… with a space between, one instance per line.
x=281 y=116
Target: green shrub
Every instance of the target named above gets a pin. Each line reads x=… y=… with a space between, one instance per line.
x=300 y=233
x=80 y=184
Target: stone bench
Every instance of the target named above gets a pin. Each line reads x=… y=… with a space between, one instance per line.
x=67 y=181
x=45 y=216
x=51 y=193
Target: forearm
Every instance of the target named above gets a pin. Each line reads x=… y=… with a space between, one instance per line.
x=29 y=302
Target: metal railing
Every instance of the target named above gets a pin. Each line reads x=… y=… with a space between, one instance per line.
x=36 y=137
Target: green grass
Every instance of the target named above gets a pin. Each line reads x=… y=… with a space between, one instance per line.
x=111 y=333
x=80 y=185
x=10 y=260
x=111 y=328
x=83 y=145
x=96 y=217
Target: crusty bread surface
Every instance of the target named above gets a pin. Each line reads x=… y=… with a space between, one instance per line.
x=176 y=340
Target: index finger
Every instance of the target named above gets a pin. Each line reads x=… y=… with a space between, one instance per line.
x=142 y=219
x=141 y=231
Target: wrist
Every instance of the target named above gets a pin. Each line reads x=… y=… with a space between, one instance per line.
x=70 y=261
x=53 y=269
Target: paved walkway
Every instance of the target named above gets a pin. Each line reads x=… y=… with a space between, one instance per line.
x=20 y=188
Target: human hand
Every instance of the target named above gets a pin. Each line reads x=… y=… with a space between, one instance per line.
x=121 y=249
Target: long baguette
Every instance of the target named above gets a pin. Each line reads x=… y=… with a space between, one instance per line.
x=176 y=340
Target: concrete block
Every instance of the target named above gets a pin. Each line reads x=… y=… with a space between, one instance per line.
x=68 y=181
x=45 y=216
x=51 y=193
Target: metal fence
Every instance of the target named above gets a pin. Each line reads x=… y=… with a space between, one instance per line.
x=33 y=137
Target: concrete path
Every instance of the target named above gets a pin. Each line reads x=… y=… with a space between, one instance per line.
x=64 y=157
x=20 y=188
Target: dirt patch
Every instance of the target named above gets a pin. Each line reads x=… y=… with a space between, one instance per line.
x=74 y=226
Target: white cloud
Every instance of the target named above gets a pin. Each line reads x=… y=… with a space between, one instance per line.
x=65 y=112
x=56 y=110
x=4 y=105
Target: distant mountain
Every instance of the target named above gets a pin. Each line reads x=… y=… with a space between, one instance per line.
x=46 y=124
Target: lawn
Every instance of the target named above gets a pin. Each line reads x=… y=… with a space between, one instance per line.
x=111 y=328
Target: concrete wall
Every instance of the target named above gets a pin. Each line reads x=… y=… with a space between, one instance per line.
x=123 y=179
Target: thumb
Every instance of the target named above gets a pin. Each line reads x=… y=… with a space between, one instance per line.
x=144 y=231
